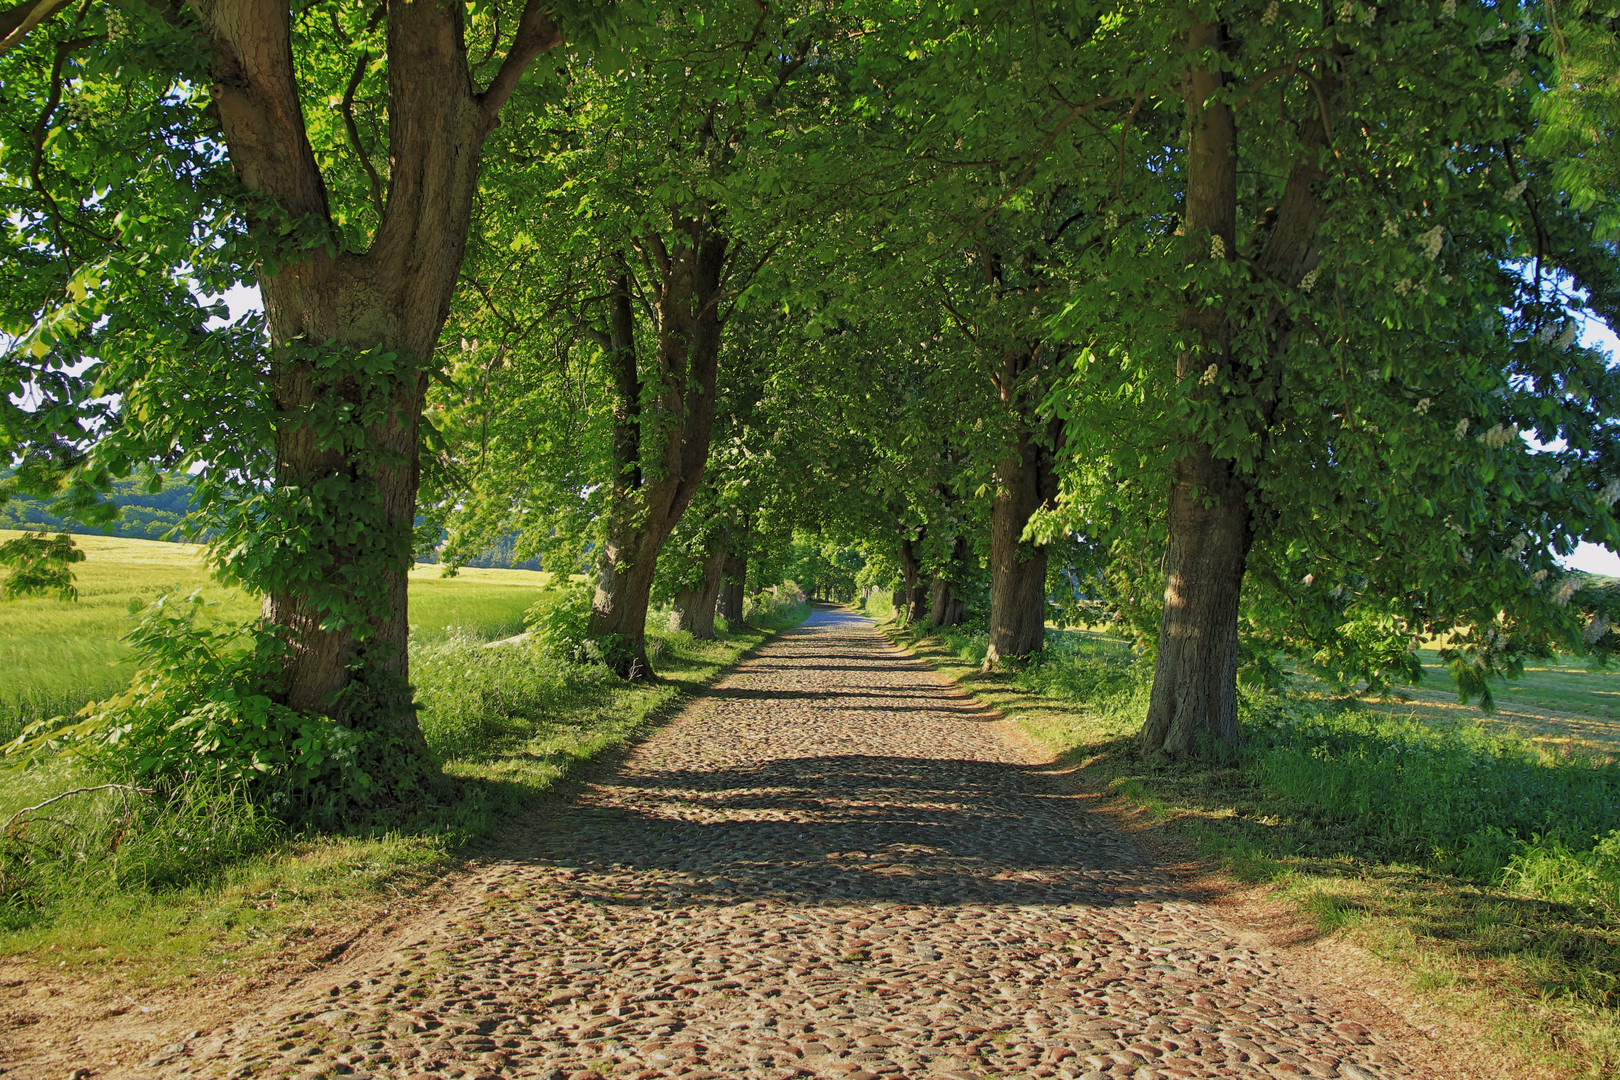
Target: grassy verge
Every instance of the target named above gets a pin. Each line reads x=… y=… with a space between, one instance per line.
x=1483 y=864
x=208 y=889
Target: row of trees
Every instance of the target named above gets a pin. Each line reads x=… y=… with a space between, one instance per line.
x=1235 y=319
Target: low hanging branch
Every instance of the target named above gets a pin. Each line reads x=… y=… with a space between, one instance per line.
x=76 y=791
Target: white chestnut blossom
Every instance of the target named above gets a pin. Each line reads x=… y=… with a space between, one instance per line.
x=1211 y=373
x=1448 y=10
x=1517 y=190
x=1217 y=246
x=1511 y=79
x=1368 y=16
x=1595 y=629
x=1462 y=428
x=1566 y=590
x=1567 y=338
x=1521 y=46
x=1308 y=282
x=1422 y=407
x=1270 y=15
x=1433 y=241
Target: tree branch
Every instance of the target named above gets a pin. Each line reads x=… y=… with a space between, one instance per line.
x=536 y=34
x=347 y=109
x=16 y=22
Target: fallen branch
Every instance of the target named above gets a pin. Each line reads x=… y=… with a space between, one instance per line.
x=76 y=791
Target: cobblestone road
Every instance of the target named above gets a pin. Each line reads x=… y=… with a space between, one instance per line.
x=830 y=866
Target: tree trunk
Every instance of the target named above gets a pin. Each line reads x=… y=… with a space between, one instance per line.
x=1194 y=698
x=944 y=609
x=661 y=467
x=911 y=603
x=353 y=335
x=1026 y=481
x=695 y=608
x=733 y=581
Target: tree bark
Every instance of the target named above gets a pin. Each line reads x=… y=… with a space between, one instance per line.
x=1194 y=697
x=340 y=600
x=1026 y=481
x=695 y=608
x=733 y=582
x=911 y=602
x=656 y=483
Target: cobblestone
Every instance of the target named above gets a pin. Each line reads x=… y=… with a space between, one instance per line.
x=830 y=866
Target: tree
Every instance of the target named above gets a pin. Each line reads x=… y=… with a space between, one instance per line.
x=356 y=265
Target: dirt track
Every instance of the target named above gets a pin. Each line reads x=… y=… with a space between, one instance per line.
x=833 y=866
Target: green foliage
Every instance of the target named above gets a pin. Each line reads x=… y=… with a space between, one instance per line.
x=39 y=565
x=202 y=705
x=479 y=699
x=559 y=622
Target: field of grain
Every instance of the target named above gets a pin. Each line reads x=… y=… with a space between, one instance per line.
x=55 y=655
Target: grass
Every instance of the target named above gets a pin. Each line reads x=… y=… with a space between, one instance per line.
x=55 y=655
x=1481 y=857
x=205 y=887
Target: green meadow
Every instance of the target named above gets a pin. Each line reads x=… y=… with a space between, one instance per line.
x=55 y=655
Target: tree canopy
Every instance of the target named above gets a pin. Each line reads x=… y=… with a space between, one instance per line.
x=1252 y=327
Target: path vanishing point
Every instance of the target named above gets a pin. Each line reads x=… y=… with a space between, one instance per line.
x=831 y=865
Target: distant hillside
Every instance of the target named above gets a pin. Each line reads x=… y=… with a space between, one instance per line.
x=141 y=515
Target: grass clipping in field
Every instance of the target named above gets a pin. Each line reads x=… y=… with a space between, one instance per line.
x=1486 y=865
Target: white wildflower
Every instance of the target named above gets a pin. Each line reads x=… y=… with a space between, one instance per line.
x=1271 y=14
x=1448 y=10
x=1422 y=407
x=1433 y=241
x=1517 y=190
x=1462 y=428
x=1595 y=629
x=1211 y=373
x=1567 y=338
x=1511 y=79
x=1368 y=17
x=1308 y=282
x=1521 y=46
x=1566 y=590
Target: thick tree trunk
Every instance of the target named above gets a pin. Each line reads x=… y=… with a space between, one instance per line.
x=1194 y=698
x=334 y=556
x=733 y=582
x=661 y=468
x=911 y=602
x=695 y=608
x=1026 y=481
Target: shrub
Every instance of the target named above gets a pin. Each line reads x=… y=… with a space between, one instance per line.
x=476 y=698
x=558 y=622
x=200 y=708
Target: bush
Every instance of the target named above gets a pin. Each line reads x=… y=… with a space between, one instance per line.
x=775 y=610
x=558 y=621
x=476 y=698
x=200 y=708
